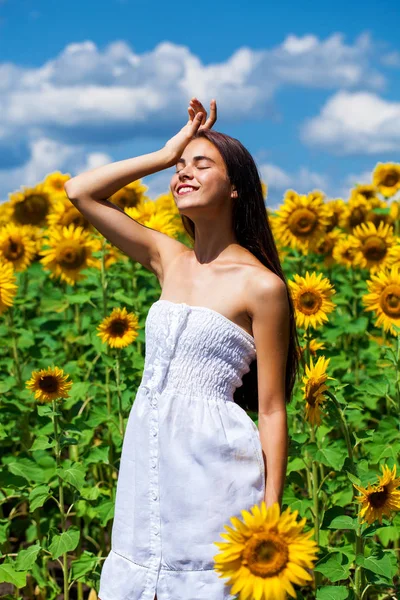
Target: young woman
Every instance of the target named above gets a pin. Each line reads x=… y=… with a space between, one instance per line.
x=220 y=341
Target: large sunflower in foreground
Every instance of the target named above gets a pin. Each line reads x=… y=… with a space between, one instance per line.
x=8 y=286
x=311 y=297
x=379 y=499
x=49 y=384
x=17 y=246
x=384 y=298
x=31 y=206
x=314 y=387
x=119 y=329
x=301 y=220
x=376 y=245
x=70 y=251
x=266 y=553
x=386 y=177
x=130 y=195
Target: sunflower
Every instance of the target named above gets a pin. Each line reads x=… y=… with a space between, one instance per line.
x=264 y=188
x=314 y=388
x=376 y=245
x=354 y=213
x=36 y=234
x=119 y=329
x=380 y=213
x=384 y=298
x=325 y=245
x=386 y=177
x=142 y=211
x=130 y=195
x=367 y=191
x=65 y=213
x=314 y=347
x=301 y=220
x=395 y=210
x=311 y=296
x=49 y=384
x=345 y=251
x=266 y=553
x=335 y=209
x=70 y=251
x=8 y=287
x=163 y=222
x=381 y=498
x=6 y=213
x=16 y=246
x=54 y=183
x=31 y=206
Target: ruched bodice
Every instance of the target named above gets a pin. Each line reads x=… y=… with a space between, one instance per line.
x=191 y=459
x=201 y=350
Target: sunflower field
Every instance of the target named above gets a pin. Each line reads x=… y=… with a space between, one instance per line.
x=72 y=317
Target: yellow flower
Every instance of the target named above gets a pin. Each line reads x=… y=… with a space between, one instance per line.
x=119 y=329
x=142 y=211
x=130 y=195
x=326 y=244
x=54 y=183
x=31 y=206
x=345 y=251
x=314 y=388
x=395 y=210
x=266 y=553
x=16 y=246
x=367 y=191
x=301 y=220
x=311 y=297
x=49 y=384
x=386 y=177
x=376 y=246
x=65 y=213
x=314 y=347
x=264 y=188
x=381 y=498
x=354 y=213
x=380 y=217
x=70 y=251
x=6 y=212
x=384 y=298
x=335 y=209
x=8 y=287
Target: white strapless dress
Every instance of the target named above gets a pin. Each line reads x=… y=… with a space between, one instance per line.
x=191 y=459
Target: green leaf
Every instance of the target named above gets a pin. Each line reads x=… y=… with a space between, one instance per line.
x=105 y=511
x=353 y=478
x=66 y=542
x=8 y=574
x=79 y=299
x=335 y=566
x=26 y=558
x=82 y=565
x=382 y=562
x=38 y=497
x=331 y=457
x=42 y=442
x=332 y=592
x=27 y=468
x=73 y=473
x=343 y=522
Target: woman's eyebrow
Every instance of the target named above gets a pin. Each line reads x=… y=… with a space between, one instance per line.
x=182 y=160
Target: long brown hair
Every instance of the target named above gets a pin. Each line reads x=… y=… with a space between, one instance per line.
x=253 y=231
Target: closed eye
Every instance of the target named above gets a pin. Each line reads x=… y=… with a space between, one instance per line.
x=197 y=167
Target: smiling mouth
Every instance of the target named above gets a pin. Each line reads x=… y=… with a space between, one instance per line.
x=186 y=191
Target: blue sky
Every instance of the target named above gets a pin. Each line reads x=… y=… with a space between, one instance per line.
x=311 y=89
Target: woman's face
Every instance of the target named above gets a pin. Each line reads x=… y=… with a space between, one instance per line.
x=202 y=168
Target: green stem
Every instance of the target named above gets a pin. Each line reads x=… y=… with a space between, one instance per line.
x=14 y=347
x=104 y=282
x=317 y=575
x=358 y=577
x=57 y=451
x=344 y=427
x=118 y=382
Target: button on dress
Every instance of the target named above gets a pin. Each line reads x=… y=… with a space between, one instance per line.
x=191 y=459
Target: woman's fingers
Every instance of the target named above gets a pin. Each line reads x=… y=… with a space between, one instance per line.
x=213 y=115
x=198 y=107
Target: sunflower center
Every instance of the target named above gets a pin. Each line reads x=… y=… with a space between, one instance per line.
x=266 y=554
x=302 y=222
x=312 y=392
x=14 y=249
x=357 y=216
x=72 y=257
x=309 y=303
x=32 y=210
x=378 y=498
x=390 y=301
x=391 y=178
x=374 y=248
x=118 y=327
x=48 y=384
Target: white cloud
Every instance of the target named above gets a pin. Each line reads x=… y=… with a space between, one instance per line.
x=302 y=181
x=106 y=96
x=392 y=59
x=359 y=122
